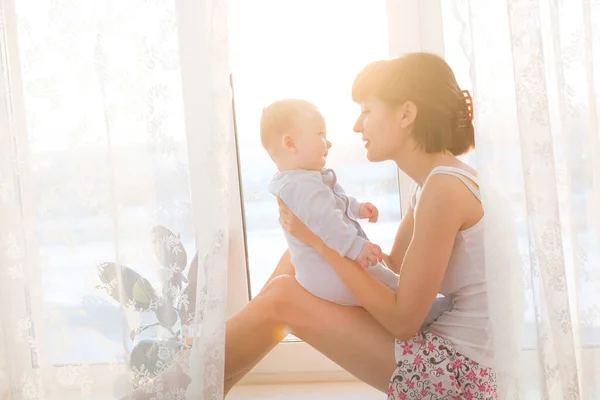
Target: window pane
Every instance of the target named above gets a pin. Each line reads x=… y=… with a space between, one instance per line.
x=310 y=50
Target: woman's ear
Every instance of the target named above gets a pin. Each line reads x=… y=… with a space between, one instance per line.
x=287 y=142
x=407 y=114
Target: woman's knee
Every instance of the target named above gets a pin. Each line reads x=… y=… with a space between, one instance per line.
x=279 y=286
x=281 y=293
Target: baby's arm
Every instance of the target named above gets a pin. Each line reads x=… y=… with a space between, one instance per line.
x=314 y=203
x=354 y=206
x=360 y=210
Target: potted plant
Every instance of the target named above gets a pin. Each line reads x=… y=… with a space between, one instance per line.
x=174 y=306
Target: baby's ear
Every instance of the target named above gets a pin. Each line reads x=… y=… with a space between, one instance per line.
x=287 y=141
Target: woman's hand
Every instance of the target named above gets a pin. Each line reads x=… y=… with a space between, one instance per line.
x=296 y=227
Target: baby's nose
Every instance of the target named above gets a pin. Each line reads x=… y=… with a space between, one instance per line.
x=328 y=144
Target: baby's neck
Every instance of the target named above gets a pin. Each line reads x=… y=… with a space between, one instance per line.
x=296 y=168
x=288 y=165
x=284 y=165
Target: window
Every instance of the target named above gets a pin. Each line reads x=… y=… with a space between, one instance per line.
x=314 y=55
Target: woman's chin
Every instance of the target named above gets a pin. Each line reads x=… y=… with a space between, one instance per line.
x=372 y=156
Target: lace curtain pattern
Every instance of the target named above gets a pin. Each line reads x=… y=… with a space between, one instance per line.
x=535 y=71
x=115 y=134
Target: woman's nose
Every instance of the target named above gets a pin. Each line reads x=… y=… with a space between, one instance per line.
x=358 y=125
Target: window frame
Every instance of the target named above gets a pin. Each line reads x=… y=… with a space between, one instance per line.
x=412 y=26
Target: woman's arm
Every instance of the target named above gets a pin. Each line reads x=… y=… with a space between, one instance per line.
x=441 y=212
x=403 y=238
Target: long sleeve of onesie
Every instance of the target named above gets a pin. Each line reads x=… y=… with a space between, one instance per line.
x=315 y=204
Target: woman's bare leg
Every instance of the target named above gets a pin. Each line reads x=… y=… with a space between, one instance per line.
x=347 y=335
x=241 y=356
x=284 y=267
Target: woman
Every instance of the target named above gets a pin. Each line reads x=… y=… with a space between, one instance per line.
x=413 y=113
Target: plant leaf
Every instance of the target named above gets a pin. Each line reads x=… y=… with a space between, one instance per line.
x=166 y=315
x=168 y=249
x=138 y=293
x=154 y=355
x=187 y=304
x=141 y=329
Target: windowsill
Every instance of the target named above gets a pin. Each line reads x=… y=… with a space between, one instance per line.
x=304 y=391
x=308 y=366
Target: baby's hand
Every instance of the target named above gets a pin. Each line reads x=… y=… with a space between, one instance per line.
x=368 y=210
x=370 y=255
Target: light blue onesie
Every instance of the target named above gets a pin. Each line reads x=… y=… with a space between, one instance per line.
x=320 y=202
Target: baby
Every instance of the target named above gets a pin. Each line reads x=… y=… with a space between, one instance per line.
x=293 y=133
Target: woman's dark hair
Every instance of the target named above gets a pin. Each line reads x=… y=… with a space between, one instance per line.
x=442 y=121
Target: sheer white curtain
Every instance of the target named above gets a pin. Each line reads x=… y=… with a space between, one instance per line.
x=535 y=70
x=115 y=133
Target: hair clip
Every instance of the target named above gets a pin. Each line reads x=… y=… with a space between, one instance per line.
x=469 y=101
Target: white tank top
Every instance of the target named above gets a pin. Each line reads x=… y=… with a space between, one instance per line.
x=467 y=326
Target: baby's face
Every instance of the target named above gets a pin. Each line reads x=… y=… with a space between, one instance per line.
x=310 y=139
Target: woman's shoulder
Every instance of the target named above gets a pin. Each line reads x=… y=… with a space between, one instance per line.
x=448 y=179
x=442 y=189
x=454 y=190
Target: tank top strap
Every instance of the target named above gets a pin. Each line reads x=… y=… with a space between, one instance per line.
x=413 y=198
x=465 y=176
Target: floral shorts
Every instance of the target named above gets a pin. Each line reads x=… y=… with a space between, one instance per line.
x=429 y=367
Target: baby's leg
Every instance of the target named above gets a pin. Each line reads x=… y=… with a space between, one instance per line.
x=327 y=287
x=390 y=279
x=440 y=306
x=384 y=275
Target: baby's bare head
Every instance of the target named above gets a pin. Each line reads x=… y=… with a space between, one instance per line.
x=282 y=117
x=294 y=134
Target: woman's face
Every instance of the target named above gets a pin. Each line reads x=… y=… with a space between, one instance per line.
x=382 y=129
